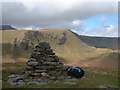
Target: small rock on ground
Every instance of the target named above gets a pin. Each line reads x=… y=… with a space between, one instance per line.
x=20 y=83
x=33 y=82
x=71 y=79
x=61 y=77
x=56 y=81
x=71 y=83
x=36 y=87
x=102 y=86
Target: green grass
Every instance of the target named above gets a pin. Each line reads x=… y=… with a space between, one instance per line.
x=95 y=78
x=12 y=68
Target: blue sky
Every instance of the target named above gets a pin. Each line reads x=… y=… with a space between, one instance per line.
x=105 y=25
x=96 y=22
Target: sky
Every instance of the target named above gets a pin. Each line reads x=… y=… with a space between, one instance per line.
x=85 y=17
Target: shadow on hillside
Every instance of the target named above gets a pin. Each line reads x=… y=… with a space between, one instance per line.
x=15 y=52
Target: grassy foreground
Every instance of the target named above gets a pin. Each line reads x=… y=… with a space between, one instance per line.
x=94 y=78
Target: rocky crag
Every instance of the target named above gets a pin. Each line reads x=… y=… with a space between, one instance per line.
x=31 y=38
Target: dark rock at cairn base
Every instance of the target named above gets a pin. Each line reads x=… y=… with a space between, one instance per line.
x=44 y=60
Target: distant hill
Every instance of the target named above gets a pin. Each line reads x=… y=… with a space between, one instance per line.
x=6 y=27
x=100 y=42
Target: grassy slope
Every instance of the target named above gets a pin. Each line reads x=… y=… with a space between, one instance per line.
x=8 y=36
x=74 y=50
x=109 y=60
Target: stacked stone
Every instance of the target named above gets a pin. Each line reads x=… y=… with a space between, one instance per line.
x=44 y=61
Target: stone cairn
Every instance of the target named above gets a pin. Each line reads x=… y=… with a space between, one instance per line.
x=43 y=61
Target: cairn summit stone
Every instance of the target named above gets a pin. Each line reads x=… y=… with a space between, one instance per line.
x=44 y=61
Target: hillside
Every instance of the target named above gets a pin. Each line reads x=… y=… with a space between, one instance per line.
x=100 y=42
x=72 y=50
x=6 y=27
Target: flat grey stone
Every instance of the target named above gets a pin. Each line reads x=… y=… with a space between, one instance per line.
x=20 y=80
x=16 y=79
x=57 y=81
x=71 y=79
x=52 y=77
x=36 y=87
x=39 y=80
x=33 y=82
x=43 y=81
x=13 y=76
x=13 y=83
x=33 y=63
x=61 y=77
x=102 y=86
x=45 y=74
x=36 y=74
x=68 y=77
x=20 y=83
x=71 y=83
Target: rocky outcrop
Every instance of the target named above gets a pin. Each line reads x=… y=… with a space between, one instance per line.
x=22 y=47
x=26 y=44
x=63 y=39
x=33 y=36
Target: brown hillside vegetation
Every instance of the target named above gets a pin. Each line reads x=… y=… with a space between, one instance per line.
x=64 y=43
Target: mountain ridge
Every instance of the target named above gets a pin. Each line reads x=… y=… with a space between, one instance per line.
x=7 y=27
x=100 y=42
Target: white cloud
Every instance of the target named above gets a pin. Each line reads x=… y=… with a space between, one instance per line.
x=77 y=26
x=106 y=31
x=55 y=13
x=60 y=0
x=76 y=23
x=109 y=28
x=103 y=19
x=46 y=13
x=28 y=28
